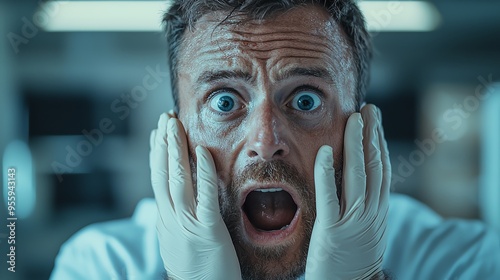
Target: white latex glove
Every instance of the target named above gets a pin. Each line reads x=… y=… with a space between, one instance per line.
x=194 y=241
x=348 y=238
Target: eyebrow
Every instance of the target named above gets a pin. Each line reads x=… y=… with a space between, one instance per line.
x=316 y=72
x=210 y=77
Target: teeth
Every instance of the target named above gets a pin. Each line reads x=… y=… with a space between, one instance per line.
x=269 y=190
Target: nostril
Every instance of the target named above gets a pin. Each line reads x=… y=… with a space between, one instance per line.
x=252 y=153
x=279 y=152
x=266 y=154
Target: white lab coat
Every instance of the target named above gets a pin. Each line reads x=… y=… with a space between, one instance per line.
x=421 y=245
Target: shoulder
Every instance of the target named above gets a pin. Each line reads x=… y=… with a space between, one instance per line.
x=423 y=245
x=120 y=249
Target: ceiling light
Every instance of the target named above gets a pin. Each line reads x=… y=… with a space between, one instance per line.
x=400 y=15
x=145 y=16
x=136 y=16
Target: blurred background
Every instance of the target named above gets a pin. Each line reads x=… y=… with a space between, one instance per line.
x=79 y=99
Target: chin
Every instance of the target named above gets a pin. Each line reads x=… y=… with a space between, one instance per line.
x=281 y=262
x=280 y=254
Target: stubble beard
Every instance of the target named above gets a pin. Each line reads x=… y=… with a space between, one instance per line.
x=257 y=262
x=254 y=260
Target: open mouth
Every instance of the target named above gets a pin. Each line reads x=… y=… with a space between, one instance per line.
x=269 y=214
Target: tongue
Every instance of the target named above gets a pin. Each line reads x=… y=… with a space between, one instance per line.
x=269 y=210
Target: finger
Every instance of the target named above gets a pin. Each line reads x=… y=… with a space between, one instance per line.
x=207 y=210
x=354 y=179
x=180 y=181
x=373 y=161
x=172 y=114
x=152 y=138
x=386 y=163
x=327 y=202
x=158 y=163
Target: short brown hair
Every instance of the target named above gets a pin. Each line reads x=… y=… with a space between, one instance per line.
x=184 y=14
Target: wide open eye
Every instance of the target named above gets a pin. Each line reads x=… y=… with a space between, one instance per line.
x=224 y=101
x=306 y=100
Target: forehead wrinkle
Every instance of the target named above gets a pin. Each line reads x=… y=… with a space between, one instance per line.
x=262 y=36
x=277 y=45
x=308 y=64
x=267 y=40
x=304 y=71
x=220 y=66
x=230 y=44
x=229 y=40
x=209 y=52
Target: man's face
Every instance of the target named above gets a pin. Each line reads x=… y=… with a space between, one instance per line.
x=263 y=97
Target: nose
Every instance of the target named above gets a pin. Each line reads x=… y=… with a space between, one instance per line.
x=266 y=136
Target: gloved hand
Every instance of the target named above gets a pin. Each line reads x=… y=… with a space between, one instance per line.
x=194 y=241
x=348 y=238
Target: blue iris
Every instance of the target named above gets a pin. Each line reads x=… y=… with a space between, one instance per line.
x=305 y=102
x=225 y=103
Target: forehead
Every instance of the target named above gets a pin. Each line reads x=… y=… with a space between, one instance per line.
x=302 y=36
x=309 y=19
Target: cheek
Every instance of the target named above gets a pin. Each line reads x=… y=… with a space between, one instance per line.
x=331 y=134
x=217 y=138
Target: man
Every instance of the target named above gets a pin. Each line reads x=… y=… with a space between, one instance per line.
x=270 y=167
